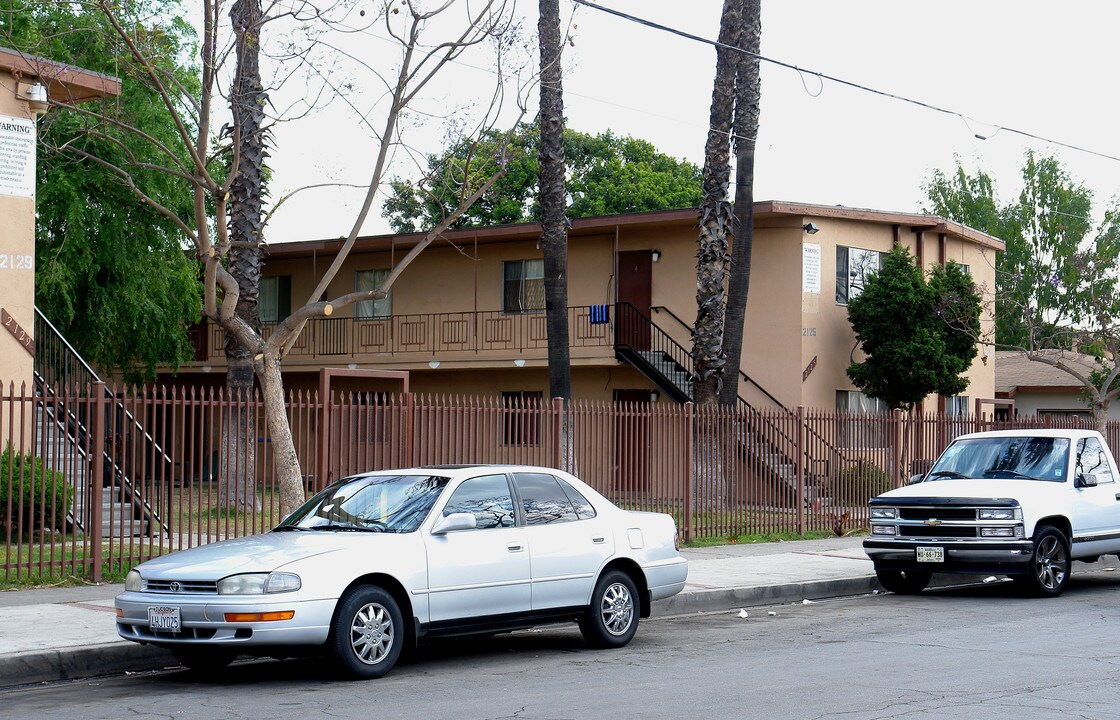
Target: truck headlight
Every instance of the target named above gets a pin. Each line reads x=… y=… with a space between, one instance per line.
x=883 y=530
x=133 y=582
x=999 y=513
x=1001 y=532
x=884 y=513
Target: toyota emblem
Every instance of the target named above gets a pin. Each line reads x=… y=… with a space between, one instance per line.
x=176 y=586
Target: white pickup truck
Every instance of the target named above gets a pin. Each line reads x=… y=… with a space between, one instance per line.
x=1021 y=503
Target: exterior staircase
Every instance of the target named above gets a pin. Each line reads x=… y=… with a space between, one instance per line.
x=63 y=440
x=643 y=344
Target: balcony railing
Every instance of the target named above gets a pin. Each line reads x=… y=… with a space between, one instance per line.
x=431 y=334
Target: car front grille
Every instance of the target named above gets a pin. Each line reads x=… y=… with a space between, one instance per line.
x=197 y=587
x=937 y=531
x=922 y=514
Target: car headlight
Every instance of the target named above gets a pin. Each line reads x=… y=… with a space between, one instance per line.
x=999 y=513
x=258 y=583
x=133 y=582
x=884 y=513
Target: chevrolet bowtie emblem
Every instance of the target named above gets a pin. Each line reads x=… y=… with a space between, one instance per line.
x=933 y=522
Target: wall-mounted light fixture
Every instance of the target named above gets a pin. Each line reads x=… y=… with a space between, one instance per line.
x=811 y=228
x=519 y=362
x=35 y=94
x=654 y=396
x=207 y=368
x=352 y=366
x=433 y=364
x=656 y=255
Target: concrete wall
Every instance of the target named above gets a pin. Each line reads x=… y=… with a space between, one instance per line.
x=17 y=255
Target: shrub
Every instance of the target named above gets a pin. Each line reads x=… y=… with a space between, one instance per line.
x=44 y=493
x=856 y=484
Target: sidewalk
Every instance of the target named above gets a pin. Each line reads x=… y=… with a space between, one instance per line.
x=70 y=633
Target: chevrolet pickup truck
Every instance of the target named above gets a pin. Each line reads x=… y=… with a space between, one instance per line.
x=1020 y=503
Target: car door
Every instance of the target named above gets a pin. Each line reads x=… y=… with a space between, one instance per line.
x=568 y=543
x=483 y=571
x=1097 y=514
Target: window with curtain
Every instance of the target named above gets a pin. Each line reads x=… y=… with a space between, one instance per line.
x=523 y=289
x=862 y=432
x=366 y=280
x=275 y=301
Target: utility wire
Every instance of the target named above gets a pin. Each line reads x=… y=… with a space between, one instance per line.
x=857 y=86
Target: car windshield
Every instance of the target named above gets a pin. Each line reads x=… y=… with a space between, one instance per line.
x=1024 y=458
x=377 y=503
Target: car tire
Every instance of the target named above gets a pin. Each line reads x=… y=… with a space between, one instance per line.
x=367 y=632
x=903 y=582
x=204 y=661
x=1050 y=564
x=612 y=618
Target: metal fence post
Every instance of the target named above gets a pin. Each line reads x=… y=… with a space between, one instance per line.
x=799 y=454
x=96 y=492
x=689 y=468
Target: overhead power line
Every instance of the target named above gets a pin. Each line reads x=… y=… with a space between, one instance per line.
x=848 y=83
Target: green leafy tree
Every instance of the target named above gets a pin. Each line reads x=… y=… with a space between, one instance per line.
x=919 y=336
x=1056 y=290
x=111 y=273
x=606 y=174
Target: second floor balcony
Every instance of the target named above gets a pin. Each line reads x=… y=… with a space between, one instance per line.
x=404 y=339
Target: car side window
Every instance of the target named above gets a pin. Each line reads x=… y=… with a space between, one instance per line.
x=1091 y=460
x=583 y=508
x=487 y=498
x=543 y=500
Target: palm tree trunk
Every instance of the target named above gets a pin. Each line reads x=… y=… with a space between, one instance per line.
x=554 y=221
x=238 y=476
x=748 y=94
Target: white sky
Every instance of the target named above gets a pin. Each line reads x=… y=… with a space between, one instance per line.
x=1041 y=67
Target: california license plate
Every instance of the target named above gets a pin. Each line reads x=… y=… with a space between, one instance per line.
x=164 y=619
x=931 y=554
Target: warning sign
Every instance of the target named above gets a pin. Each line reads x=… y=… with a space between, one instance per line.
x=17 y=156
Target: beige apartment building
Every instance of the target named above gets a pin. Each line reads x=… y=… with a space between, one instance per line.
x=467 y=317
x=27 y=83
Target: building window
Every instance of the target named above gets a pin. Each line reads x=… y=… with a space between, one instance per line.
x=523 y=289
x=864 y=421
x=364 y=281
x=275 y=301
x=853 y=267
x=521 y=410
x=957 y=412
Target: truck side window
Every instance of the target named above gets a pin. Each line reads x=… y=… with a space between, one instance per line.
x=1091 y=460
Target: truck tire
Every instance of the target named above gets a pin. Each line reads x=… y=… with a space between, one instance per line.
x=903 y=582
x=1049 y=566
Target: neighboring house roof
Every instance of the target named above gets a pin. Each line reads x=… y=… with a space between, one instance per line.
x=764 y=212
x=1016 y=373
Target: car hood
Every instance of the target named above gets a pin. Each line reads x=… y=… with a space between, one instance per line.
x=986 y=488
x=257 y=553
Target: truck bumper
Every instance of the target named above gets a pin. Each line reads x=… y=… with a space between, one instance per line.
x=960 y=557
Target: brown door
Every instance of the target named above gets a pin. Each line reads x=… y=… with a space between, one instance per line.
x=631 y=442
x=635 y=286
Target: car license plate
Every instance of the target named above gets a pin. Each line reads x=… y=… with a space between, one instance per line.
x=164 y=619
x=931 y=554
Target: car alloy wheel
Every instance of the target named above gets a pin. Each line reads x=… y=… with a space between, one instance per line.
x=371 y=633
x=612 y=618
x=367 y=633
x=617 y=609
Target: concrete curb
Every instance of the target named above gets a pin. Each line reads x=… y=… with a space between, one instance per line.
x=721 y=599
x=124 y=656
x=81 y=662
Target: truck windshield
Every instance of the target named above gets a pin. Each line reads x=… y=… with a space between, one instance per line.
x=1024 y=458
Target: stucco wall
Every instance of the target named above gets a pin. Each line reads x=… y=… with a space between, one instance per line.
x=17 y=253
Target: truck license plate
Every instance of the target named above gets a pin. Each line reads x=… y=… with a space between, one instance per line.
x=931 y=554
x=164 y=619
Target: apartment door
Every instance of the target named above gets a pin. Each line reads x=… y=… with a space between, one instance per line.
x=631 y=441
x=635 y=286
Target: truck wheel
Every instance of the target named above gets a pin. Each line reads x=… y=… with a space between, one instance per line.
x=1049 y=565
x=903 y=582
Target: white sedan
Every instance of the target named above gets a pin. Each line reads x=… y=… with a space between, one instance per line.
x=378 y=561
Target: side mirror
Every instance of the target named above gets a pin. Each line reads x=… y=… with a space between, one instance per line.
x=915 y=479
x=1085 y=480
x=453 y=522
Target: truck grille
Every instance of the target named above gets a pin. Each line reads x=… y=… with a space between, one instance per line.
x=939 y=531
x=940 y=513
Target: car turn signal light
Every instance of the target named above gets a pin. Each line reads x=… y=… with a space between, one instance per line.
x=260 y=617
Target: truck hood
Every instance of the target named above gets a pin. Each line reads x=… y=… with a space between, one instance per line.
x=982 y=488
x=257 y=553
